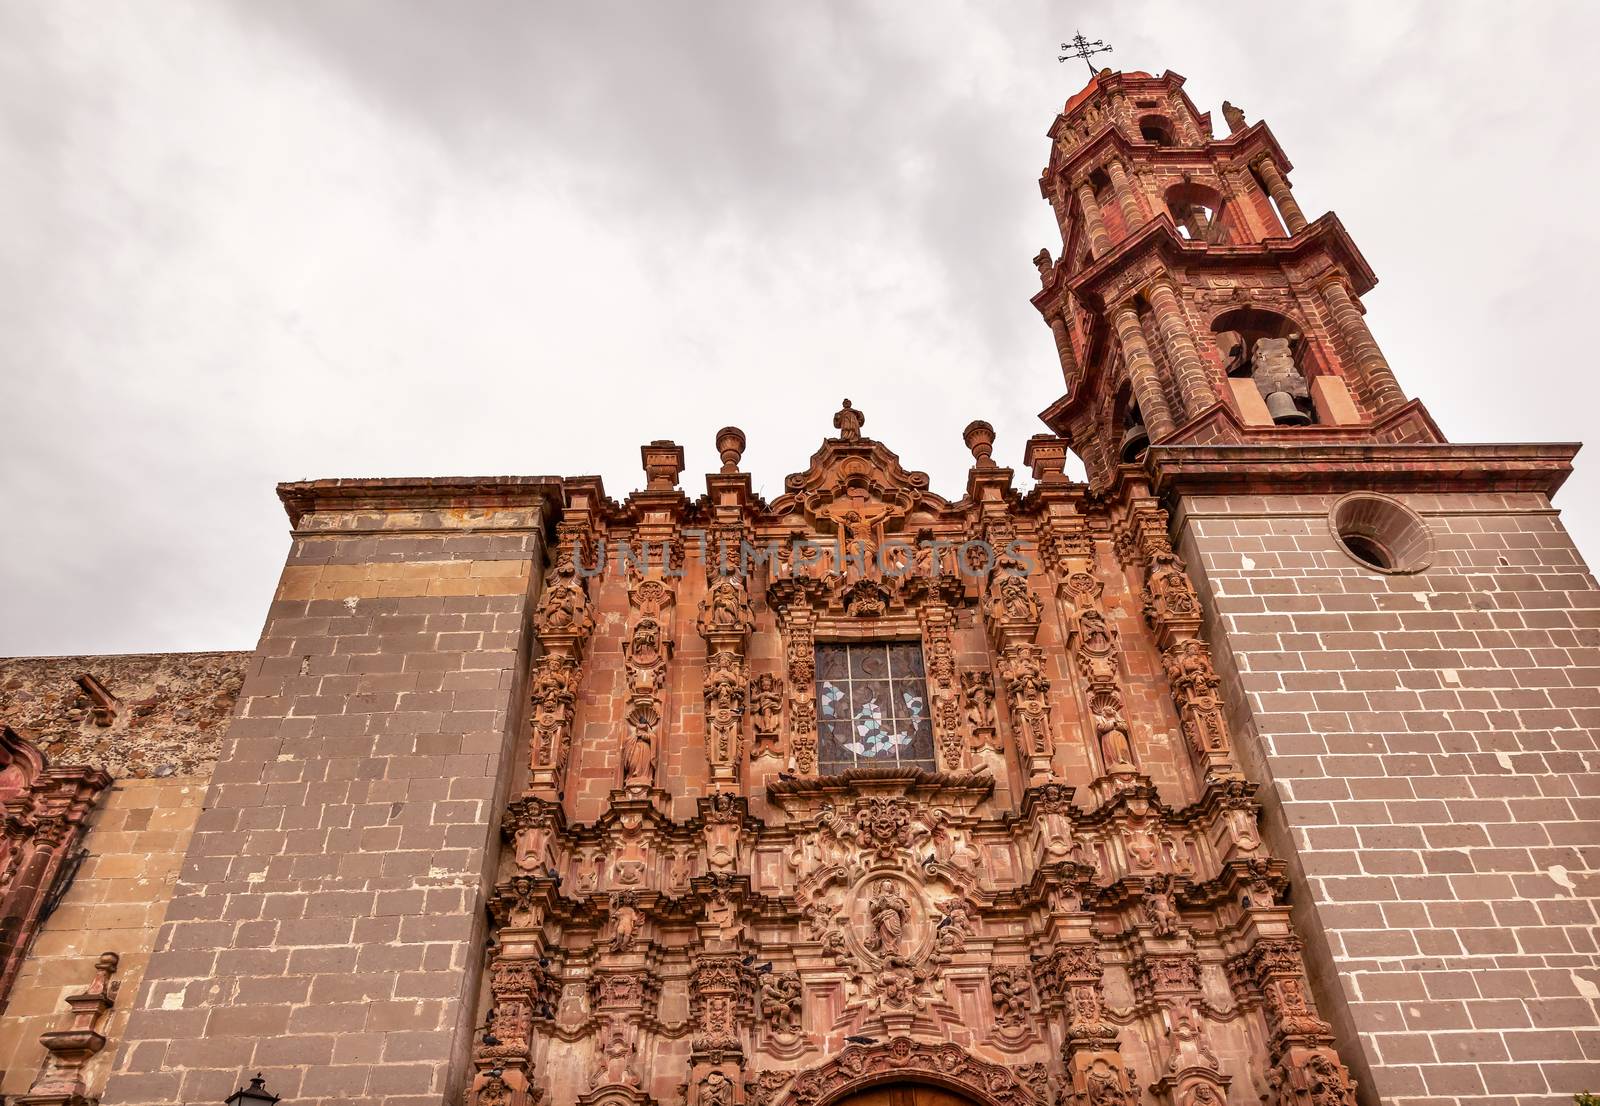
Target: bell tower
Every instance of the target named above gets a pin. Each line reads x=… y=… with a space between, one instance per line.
x=1192 y=301
x=1402 y=629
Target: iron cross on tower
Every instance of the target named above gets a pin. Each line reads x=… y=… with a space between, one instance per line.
x=1081 y=47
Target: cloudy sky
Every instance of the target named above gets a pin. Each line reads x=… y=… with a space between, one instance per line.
x=251 y=242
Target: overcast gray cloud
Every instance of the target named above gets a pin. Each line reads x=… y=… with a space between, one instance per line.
x=262 y=241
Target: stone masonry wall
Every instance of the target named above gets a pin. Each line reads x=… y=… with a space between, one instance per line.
x=116 y=904
x=328 y=921
x=1430 y=745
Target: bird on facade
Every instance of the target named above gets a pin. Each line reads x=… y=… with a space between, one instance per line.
x=859 y=1040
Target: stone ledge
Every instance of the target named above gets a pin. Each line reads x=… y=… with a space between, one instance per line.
x=1332 y=467
x=405 y=493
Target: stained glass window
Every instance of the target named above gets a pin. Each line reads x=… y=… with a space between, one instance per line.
x=872 y=706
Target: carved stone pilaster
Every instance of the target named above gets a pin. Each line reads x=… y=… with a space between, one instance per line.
x=800 y=652
x=646 y=652
x=944 y=684
x=1172 y=610
x=562 y=622
x=725 y=621
x=1095 y=1072
x=1306 y=1071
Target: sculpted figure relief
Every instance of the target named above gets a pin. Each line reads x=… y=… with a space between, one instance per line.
x=780 y=1001
x=1158 y=908
x=625 y=921
x=766 y=714
x=1011 y=989
x=887 y=914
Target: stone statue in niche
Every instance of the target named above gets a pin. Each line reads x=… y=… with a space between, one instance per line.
x=625 y=921
x=978 y=687
x=726 y=608
x=638 y=750
x=564 y=607
x=1111 y=730
x=1014 y=599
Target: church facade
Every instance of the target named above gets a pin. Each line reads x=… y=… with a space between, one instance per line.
x=1253 y=769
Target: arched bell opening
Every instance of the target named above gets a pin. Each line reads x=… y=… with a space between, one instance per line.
x=1267 y=348
x=1157 y=129
x=1196 y=209
x=1135 y=438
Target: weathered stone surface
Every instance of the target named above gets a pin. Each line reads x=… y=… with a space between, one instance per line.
x=170 y=713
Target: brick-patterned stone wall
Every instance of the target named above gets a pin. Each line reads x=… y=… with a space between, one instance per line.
x=116 y=903
x=1430 y=746
x=328 y=919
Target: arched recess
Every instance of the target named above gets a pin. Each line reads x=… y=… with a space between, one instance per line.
x=861 y=1067
x=1197 y=210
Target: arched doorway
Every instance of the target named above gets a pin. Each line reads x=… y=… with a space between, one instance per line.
x=905 y=1094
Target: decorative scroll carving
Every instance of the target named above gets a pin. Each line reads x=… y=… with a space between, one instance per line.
x=1011 y=990
x=1305 y=1069
x=719 y=996
x=645 y=652
x=554 y=690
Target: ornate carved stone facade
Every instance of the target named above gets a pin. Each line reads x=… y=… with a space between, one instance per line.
x=740 y=886
x=537 y=795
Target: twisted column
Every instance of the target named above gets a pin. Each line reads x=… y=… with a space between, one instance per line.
x=1142 y=374
x=1347 y=319
x=1069 y=359
x=1278 y=189
x=1132 y=215
x=1094 y=223
x=1181 y=351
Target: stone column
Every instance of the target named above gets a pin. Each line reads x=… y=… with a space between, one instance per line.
x=1063 y=337
x=1142 y=374
x=1278 y=189
x=1181 y=352
x=1347 y=320
x=1099 y=240
x=1132 y=215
